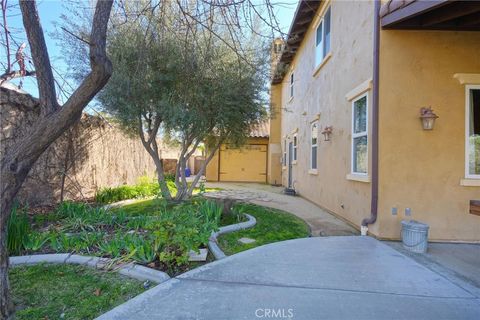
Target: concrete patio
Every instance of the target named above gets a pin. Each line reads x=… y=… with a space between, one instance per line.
x=341 y=277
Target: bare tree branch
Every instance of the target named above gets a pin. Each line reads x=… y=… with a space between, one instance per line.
x=41 y=60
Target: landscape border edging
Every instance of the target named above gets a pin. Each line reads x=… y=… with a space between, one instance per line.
x=130 y=270
x=213 y=243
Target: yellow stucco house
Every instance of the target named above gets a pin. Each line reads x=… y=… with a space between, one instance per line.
x=247 y=163
x=351 y=128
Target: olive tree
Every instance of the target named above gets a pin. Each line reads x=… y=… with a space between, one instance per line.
x=196 y=90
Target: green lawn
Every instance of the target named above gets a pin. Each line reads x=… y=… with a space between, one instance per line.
x=48 y=291
x=141 y=207
x=272 y=226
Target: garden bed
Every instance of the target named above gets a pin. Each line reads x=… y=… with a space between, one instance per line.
x=68 y=291
x=149 y=232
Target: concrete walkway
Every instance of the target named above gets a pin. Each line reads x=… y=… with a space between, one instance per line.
x=311 y=278
x=321 y=222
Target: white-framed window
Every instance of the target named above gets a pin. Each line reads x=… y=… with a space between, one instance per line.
x=291 y=85
x=295 y=142
x=284 y=162
x=322 y=44
x=360 y=135
x=278 y=47
x=472 y=132
x=313 y=145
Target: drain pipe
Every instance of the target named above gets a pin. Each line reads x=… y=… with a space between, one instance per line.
x=374 y=199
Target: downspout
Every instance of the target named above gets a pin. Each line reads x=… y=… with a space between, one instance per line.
x=376 y=46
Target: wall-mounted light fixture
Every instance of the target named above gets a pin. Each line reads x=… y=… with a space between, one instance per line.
x=327 y=131
x=428 y=118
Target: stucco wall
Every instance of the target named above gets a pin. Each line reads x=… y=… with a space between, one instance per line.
x=212 y=170
x=323 y=94
x=274 y=173
x=421 y=169
x=92 y=155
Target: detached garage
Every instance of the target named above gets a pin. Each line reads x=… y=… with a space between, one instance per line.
x=245 y=164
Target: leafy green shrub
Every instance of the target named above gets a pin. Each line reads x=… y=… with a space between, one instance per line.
x=113 y=247
x=142 y=250
x=170 y=177
x=145 y=187
x=18 y=228
x=184 y=228
x=79 y=217
x=34 y=241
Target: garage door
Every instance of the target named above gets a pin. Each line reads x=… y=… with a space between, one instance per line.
x=248 y=164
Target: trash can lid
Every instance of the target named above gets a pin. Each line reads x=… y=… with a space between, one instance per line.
x=412 y=224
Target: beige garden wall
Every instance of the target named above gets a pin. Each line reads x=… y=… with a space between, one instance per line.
x=322 y=95
x=93 y=154
x=419 y=169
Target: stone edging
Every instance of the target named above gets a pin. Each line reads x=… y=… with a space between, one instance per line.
x=213 y=243
x=130 y=270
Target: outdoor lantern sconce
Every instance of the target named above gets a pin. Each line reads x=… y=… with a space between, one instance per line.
x=327 y=131
x=428 y=118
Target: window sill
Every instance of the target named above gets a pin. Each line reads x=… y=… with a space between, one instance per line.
x=358 y=177
x=324 y=61
x=470 y=182
x=313 y=171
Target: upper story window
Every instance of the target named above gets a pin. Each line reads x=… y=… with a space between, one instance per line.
x=313 y=145
x=360 y=135
x=278 y=47
x=295 y=148
x=473 y=132
x=291 y=85
x=322 y=44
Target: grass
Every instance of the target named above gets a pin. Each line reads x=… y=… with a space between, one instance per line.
x=272 y=226
x=68 y=291
x=141 y=207
x=146 y=187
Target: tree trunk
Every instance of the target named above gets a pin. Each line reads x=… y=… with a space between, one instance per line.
x=202 y=169
x=52 y=123
x=182 y=186
x=6 y=305
x=161 y=179
x=151 y=146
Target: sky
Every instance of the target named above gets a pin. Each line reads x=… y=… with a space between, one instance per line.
x=51 y=10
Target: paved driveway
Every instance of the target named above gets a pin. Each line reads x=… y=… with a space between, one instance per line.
x=313 y=278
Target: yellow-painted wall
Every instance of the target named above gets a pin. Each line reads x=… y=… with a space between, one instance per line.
x=212 y=169
x=421 y=169
x=249 y=174
x=322 y=93
x=274 y=175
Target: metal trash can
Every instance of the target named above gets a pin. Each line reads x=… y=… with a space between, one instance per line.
x=415 y=236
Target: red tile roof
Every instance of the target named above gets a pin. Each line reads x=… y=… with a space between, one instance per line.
x=394 y=5
x=261 y=130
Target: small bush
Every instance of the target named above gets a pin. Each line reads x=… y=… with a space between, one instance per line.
x=18 y=228
x=144 y=188
x=170 y=177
